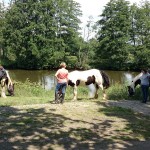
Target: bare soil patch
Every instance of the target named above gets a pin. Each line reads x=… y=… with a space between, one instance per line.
x=75 y=126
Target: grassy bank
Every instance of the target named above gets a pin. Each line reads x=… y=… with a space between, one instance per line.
x=32 y=93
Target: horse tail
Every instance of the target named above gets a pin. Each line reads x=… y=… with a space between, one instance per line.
x=106 y=81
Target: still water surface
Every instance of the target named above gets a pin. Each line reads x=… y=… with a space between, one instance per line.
x=47 y=80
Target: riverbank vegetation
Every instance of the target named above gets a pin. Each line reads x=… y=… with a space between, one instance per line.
x=40 y=34
x=31 y=93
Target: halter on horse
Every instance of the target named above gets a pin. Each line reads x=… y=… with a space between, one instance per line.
x=136 y=81
x=6 y=81
x=96 y=77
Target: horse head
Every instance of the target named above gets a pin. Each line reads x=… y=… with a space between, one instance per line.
x=136 y=81
x=10 y=89
x=131 y=89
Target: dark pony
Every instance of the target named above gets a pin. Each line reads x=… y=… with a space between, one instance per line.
x=5 y=81
x=92 y=77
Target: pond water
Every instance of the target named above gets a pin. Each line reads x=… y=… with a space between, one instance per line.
x=47 y=80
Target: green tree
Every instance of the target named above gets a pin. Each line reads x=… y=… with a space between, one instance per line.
x=140 y=35
x=88 y=45
x=114 y=36
x=38 y=33
x=67 y=13
x=2 y=25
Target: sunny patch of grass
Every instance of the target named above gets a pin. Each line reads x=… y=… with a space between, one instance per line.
x=32 y=93
x=120 y=92
x=136 y=126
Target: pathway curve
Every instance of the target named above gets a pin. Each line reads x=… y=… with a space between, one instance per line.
x=136 y=106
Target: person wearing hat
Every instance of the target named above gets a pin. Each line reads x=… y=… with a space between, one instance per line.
x=62 y=79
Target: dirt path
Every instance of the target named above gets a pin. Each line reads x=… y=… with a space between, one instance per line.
x=136 y=106
x=89 y=125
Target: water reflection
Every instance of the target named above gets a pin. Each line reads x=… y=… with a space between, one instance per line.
x=42 y=77
x=121 y=77
x=47 y=80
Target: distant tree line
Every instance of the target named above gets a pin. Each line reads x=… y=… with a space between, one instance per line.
x=39 y=34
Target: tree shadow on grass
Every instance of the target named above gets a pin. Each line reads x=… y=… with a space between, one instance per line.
x=42 y=129
x=46 y=129
x=135 y=133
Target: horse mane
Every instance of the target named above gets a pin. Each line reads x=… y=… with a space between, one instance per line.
x=106 y=80
x=6 y=81
x=5 y=75
x=137 y=77
x=136 y=80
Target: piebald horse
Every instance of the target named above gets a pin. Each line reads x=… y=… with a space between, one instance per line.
x=5 y=81
x=93 y=76
x=136 y=81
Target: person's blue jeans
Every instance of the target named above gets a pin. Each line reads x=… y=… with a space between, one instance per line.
x=61 y=86
x=145 y=92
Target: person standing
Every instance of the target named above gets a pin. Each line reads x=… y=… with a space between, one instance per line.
x=145 y=84
x=62 y=79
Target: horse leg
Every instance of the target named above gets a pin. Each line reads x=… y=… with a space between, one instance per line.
x=3 y=88
x=96 y=91
x=104 y=95
x=103 y=90
x=74 y=93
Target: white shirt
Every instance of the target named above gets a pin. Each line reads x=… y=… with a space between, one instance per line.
x=145 y=79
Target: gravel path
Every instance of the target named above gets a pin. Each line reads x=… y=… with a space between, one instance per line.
x=136 y=106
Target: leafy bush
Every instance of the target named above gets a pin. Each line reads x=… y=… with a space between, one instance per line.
x=29 y=89
x=120 y=92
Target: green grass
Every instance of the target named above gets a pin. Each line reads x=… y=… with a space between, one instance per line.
x=120 y=92
x=32 y=93
x=136 y=124
x=27 y=93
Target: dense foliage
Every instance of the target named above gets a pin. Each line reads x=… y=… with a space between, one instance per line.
x=39 y=34
x=123 y=36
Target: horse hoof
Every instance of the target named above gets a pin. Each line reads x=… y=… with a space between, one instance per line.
x=73 y=100
x=54 y=102
x=4 y=96
x=96 y=96
x=104 y=98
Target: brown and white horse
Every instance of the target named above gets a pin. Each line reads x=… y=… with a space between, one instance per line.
x=5 y=81
x=89 y=77
x=136 y=81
